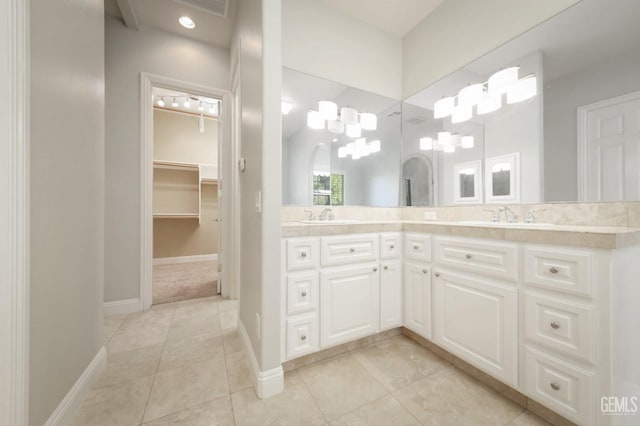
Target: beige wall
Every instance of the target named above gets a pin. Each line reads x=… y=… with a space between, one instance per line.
x=176 y=138
x=128 y=53
x=67 y=197
x=460 y=31
x=187 y=237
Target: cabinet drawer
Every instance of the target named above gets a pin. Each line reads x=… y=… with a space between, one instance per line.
x=302 y=253
x=494 y=259
x=303 y=335
x=348 y=249
x=564 y=327
x=563 y=270
x=417 y=247
x=302 y=292
x=562 y=387
x=390 y=246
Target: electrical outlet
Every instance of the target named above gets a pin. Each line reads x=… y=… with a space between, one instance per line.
x=430 y=216
x=258 y=328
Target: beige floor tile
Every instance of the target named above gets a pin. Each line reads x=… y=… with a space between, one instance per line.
x=229 y=319
x=195 y=325
x=340 y=385
x=216 y=412
x=118 y=405
x=111 y=325
x=384 y=411
x=187 y=308
x=239 y=371
x=397 y=362
x=184 y=351
x=294 y=406
x=232 y=341
x=529 y=419
x=180 y=388
x=451 y=397
x=128 y=365
x=138 y=334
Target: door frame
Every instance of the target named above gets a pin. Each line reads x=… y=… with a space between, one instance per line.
x=583 y=134
x=227 y=175
x=14 y=219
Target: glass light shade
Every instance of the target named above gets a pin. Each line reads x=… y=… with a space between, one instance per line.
x=467 y=142
x=351 y=148
x=328 y=110
x=455 y=140
x=443 y=107
x=286 y=107
x=461 y=113
x=449 y=148
x=471 y=94
x=335 y=126
x=348 y=116
x=489 y=104
x=524 y=89
x=342 y=152
x=368 y=121
x=426 y=144
x=315 y=120
x=444 y=138
x=374 y=146
x=500 y=82
x=353 y=131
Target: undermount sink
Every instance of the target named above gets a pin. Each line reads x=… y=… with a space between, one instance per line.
x=329 y=222
x=506 y=224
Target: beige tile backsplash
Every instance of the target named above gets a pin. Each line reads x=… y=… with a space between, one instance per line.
x=585 y=214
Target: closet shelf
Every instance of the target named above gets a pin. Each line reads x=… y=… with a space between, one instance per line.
x=208 y=181
x=174 y=165
x=176 y=216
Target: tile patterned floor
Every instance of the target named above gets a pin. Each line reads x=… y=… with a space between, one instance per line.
x=183 y=364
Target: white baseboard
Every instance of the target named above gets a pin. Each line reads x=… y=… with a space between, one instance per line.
x=64 y=412
x=185 y=259
x=121 y=307
x=266 y=383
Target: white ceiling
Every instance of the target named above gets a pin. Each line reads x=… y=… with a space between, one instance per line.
x=392 y=16
x=163 y=15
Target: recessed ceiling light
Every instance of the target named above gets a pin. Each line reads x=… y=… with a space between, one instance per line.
x=187 y=22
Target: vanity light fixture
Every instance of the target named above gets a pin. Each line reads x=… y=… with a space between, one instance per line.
x=351 y=148
x=286 y=107
x=315 y=120
x=443 y=107
x=449 y=148
x=374 y=146
x=467 y=142
x=187 y=22
x=471 y=95
x=444 y=138
x=335 y=126
x=353 y=130
x=328 y=110
x=446 y=142
x=426 y=144
x=174 y=103
x=348 y=120
x=522 y=90
x=348 y=115
x=489 y=104
x=368 y=121
x=455 y=139
x=461 y=113
x=501 y=81
x=342 y=152
x=186 y=103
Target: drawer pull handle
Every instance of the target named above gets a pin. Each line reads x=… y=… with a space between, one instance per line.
x=468 y=256
x=386 y=267
x=303 y=254
x=303 y=337
x=352 y=249
x=555 y=386
x=553 y=270
x=555 y=325
x=416 y=247
x=303 y=294
x=391 y=246
x=375 y=269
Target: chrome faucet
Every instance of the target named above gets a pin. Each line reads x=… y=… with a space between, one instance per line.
x=310 y=213
x=326 y=214
x=531 y=217
x=495 y=215
x=509 y=215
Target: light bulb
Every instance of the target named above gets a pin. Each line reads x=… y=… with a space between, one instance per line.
x=160 y=102
x=187 y=104
x=174 y=103
x=200 y=107
x=328 y=110
x=315 y=120
x=426 y=144
x=368 y=121
x=443 y=108
x=187 y=22
x=467 y=142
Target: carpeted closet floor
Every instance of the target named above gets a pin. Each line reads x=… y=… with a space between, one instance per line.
x=182 y=281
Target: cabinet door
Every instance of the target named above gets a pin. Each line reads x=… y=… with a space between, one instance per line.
x=349 y=303
x=477 y=320
x=390 y=294
x=417 y=298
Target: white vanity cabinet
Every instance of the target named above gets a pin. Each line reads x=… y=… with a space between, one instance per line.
x=417 y=283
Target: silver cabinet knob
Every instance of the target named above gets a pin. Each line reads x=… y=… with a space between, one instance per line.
x=468 y=256
x=386 y=267
x=437 y=274
x=303 y=337
x=425 y=271
x=554 y=386
x=352 y=249
x=303 y=294
x=555 y=325
x=416 y=247
x=375 y=269
x=391 y=246
x=553 y=270
x=303 y=254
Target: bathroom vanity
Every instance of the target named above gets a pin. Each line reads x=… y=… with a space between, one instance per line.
x=547 y=311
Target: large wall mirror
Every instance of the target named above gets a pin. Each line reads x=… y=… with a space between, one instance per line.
x=340 y=145
x=551 y=116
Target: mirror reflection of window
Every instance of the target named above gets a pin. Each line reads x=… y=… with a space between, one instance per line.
x=501 y=179
x=467 y=183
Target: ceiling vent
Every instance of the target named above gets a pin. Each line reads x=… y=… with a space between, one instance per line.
x=214 y=7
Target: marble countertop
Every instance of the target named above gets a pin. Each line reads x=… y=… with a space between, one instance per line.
x=604 y=237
